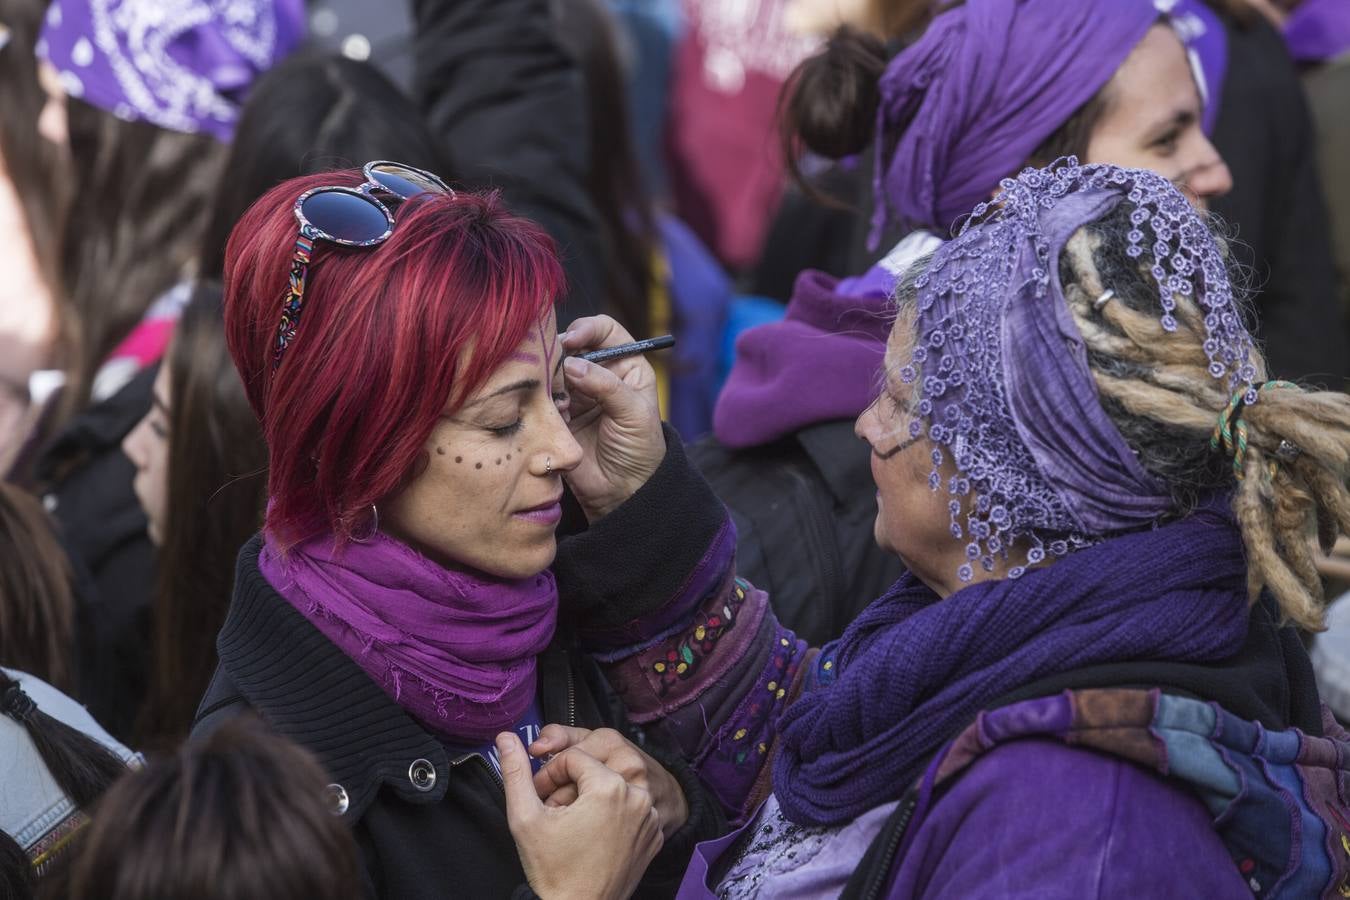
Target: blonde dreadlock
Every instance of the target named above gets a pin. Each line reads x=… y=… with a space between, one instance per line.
x=1156 y=388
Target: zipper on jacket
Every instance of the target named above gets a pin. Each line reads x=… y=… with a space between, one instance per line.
x=892 y=845
x=571 y=698
x=486 y=765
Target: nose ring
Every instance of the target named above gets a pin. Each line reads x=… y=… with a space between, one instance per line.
x=548 y=465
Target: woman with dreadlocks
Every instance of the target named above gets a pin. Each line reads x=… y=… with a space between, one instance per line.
x=1087 y=684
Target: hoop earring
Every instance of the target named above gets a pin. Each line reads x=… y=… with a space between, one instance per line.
x=374 y=527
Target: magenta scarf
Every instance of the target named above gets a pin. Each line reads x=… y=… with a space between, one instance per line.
x=456 y=650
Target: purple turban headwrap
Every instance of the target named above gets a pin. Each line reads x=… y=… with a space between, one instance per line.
x=1318 y=30
x=1001 y=373
x=184 y=65
x=983 y=87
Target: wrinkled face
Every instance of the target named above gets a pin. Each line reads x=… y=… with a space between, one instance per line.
x=1153 y=120
x=147 y=446
x=912 y=520
x=488 y=497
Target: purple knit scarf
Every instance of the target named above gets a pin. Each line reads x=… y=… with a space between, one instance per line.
x=913 y=669
x=456 y=650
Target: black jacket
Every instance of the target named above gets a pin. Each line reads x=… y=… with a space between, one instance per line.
x=428 y=824
x=509 y=105
x=87 y=488
x=1264 y=133
x=804 y=509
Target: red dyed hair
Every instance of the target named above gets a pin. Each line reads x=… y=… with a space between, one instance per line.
x=387 y=337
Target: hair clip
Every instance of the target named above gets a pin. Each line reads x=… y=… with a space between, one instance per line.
x=17 y=705
x=1104 y=299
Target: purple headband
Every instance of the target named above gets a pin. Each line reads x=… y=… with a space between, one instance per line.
x=1004 y=384
x=183 y=65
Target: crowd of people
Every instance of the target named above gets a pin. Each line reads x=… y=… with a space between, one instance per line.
x=970 y=541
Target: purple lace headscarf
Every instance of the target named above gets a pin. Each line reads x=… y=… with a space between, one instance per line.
x=184 y=65
x=1001 y=371
x=983 y=87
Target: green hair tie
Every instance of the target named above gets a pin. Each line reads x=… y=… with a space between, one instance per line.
x=1231 y=431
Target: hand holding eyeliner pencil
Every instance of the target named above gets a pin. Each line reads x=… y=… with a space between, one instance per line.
x=609 y=354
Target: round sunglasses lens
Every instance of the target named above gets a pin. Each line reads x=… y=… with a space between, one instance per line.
x=346 y=217
x=404 y=181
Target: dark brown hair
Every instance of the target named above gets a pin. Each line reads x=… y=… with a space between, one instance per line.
x=829 y=103
x=81 y=767
x=238 y=815
x=144 y=194
x=587 y=31
x=37 y=606
x=39 y=172
x=217 y=466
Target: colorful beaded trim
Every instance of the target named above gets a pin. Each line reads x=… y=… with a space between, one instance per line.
x=295 y=293
x=682 y=661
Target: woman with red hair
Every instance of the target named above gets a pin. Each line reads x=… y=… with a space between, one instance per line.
x=398 y=344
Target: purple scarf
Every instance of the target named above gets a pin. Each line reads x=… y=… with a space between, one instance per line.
x=913 y=669
x=985 y=85
x=455 y=650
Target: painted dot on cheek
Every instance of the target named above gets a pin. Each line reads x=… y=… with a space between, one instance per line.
x=440 y=451
x=499 y=460
x=478 y=465
x=459 y=459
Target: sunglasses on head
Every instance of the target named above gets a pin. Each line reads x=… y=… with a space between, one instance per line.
x=352 y=217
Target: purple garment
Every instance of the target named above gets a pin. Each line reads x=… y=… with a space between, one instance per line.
x=1001 y=382
x=454 y=649
x=185 y=66
x=819 y=363
x=966 y=104
x=848 y=746
x=1318 y=30
x=822 y=361
x=1201 y=30
x=1039 y=819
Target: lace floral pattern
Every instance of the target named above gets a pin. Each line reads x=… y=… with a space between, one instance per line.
x=1000 y=494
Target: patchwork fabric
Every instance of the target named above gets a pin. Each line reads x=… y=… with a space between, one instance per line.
x=1278 y=799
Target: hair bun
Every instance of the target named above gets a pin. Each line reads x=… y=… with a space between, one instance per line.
x=831 y=100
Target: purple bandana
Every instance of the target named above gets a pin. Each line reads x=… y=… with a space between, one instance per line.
x=978 y=93
x=454 y=649
x=1003 y=383
x=183 y=65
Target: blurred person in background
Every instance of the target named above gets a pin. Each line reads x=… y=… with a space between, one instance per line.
x=145 y=106
x=659 y=276
x=35 y=327
x=506 y=100
x=200 y=475
x=726 y=169
x=37 y=600
x=55 y=762
x=243 y=813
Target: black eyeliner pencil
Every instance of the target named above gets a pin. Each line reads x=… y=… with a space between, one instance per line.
x=609 y=354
